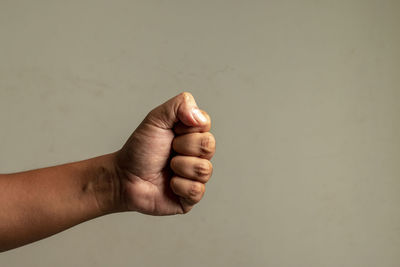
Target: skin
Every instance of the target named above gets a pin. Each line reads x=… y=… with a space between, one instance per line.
x=162 y=169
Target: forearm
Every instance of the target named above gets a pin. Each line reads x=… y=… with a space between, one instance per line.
x=39 y=203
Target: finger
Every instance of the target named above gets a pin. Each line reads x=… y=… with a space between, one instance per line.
x=195 y=144
x=181 y=128
x=192 y=167
x=190 y=191
x=182 y=108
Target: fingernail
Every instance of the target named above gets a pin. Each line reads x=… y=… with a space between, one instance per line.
x=198 y=115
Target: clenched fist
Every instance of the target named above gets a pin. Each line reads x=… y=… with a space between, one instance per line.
x=165 y=164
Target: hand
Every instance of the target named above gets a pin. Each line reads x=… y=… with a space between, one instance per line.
x=164 y=165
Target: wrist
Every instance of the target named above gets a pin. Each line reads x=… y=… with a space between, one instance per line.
x=106 y=185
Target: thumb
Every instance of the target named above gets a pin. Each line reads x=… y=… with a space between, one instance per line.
x=182 y=108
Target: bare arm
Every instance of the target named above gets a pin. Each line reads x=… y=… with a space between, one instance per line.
x=36 y=204
x=162 y=169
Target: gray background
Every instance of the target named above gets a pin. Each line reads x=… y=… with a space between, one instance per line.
x=304 y=97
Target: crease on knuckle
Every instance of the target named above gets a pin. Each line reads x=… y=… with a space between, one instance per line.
x=203 y=170
x=195 y=192
x=207 y=145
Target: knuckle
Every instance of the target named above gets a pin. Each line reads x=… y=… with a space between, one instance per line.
x=209 y=122
x=211 y=168
x=186 y=96
x=207 y=144
x=203 y=170
x=196 y=192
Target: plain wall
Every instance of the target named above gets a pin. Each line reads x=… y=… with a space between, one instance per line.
x=305 y=102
